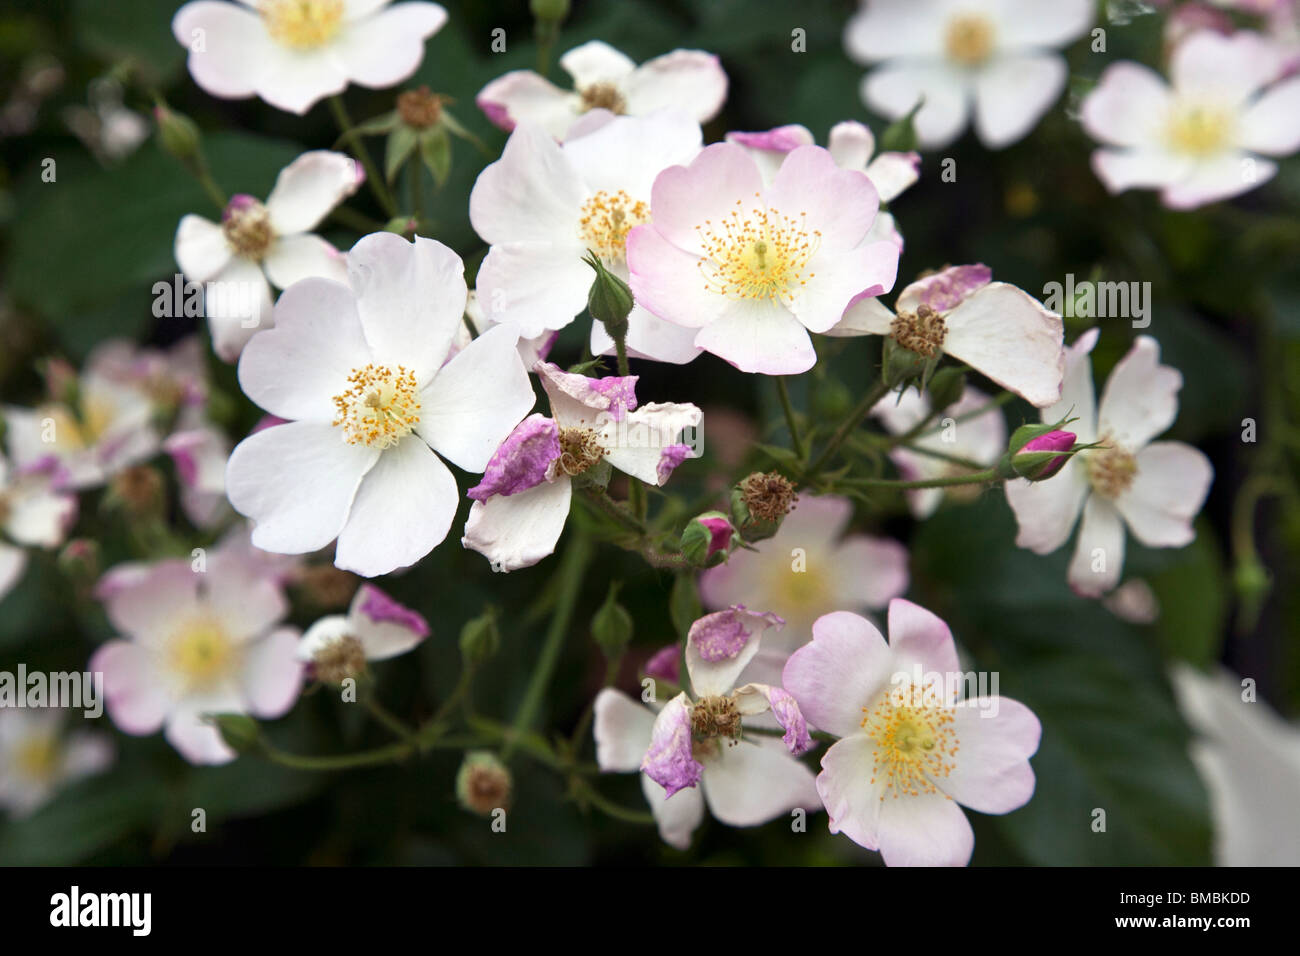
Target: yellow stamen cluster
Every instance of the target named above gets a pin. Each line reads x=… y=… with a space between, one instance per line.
x=380 y=407
x=1199 y=130
x=201 y=653
x=1111 y=469
x=968 y=39
x=302 y=24
x=580 y=449
x=247 y=229
x=922 y=331
x=605 y=96
x=607 y=218
x=916 y=743
x=757 y=253
x=38 y=758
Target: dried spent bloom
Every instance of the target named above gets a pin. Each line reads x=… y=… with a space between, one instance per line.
x=483 y=783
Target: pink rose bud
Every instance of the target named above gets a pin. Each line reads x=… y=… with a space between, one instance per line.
x=1032 y=463
x=706 y=535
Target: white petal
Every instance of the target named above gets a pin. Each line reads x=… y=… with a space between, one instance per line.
x=13 y=561
x=228 y=46
x=1009 y=336
x=134 y=693
x=925 y=830
x=884 y=29
x=759 y=336
x=1168 y=490
x=1013 y=92
x=895 y=88
x=534 y=287
x=622 y=731
x=1029 y=23
x=752 y=783
x=201 y=249
x=846 y=789
x=891 y=173
x=37 y=516
x=1225 y=69
x=1078 y=398
x=851 y=144
x=516 y=531
x=384 y=49
x=690 y=81
x=1127 y=106
x=476 y=399
x=196 y=738
x=1141 y=396
x=297 y=482
x=296 y=81
x=238 y=305
x=309 y=187
x=649 y=337
x=678 y=816
x=402 y=511
x=411 y=298
x=294 y=258
x=868 y=316
x=596 y=62
x=1142 y=168
x=1047 y=510
x=1223 y=177
x=532 y=193
x=996 y=737
x=272 y=673
x=628 y=152
x=1099 y=552
x=641 y=443
x=1272 y=124
x=295 y=369
x=521 y=96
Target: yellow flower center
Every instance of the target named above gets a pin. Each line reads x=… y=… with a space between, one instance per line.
x=802 y=591
x=607 y=218
x=916 y=743
x=81 y=429
x=246 y=225
x=302 y=24
x=968 y=39
x=1199 y=130
x=201 y=653
x=580 y=449
x=757 y=254
x=1111 y=470
x=38 y=758
x=380 y=407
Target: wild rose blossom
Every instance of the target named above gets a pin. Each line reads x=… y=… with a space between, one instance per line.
x=543 y=206
x=995 y=57
x=522 y=502
x=853 y=146
x=1155 y=488
x=257 y=245
x=1203 y=136
x=910 y=753
x=689 y=81
x=695 y=752
x=375 y=628
x=997 y=329
x=754 y=268
x=33 y=514
x=39 y=756
x=197 y=640
x=292 y=53
x=357 y=371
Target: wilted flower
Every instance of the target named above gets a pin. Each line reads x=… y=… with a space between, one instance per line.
x=375 y=628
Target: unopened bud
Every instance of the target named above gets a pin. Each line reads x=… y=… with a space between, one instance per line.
x=240 y=732
x=79 y=558
x=946 y=388
x=177 y=133
x=554 y=10
x=706 y=538
x=611 y=625
x=483 y=783
x=480 y=638
x=1035 y=452
x=610 y=299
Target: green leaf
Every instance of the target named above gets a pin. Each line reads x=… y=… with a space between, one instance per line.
x=435 y=150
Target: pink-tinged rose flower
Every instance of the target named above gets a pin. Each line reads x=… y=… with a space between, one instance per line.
x=754 y=267
x=33 y=514
x=375 y=628
x=258 y=245
x=810 y=567
x=583 y=196
x=981 y=439
x=198 y=639
x=39 y=756
x=691 y=82
x=200 y=455
x=292 y=53
x=1202 y=136
x=852 y=146
x=910 y=754
x=1155 y=488
x=358 y=372
x=522 y=502
x=695 y=751
x=994 y=58
x=997 y=329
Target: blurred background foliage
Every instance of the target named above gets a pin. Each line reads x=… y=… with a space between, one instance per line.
x=80 y=256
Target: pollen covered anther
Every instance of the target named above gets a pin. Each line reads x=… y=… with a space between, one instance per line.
x=915 y=742
x=922 y=331
x=603 y=96
x=768 y=496
x=1111 y=470
x=246 y=224
x=580 y=449
x=339 y=660
x=302 y=24
x=606 y=219
x=715 y=717
x=380 y=407
x=757 y=253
